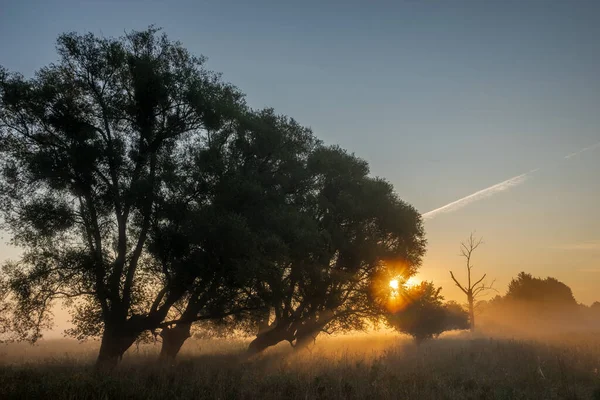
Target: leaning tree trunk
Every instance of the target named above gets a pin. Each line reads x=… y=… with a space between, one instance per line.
x=306 y=335
x=115 y=342
x=266 y=339
x=172 y=340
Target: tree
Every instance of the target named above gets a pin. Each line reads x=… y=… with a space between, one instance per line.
x=340 y=230
x=537 y=305
x=423 y=315
x=250 y=175
x=474 y=288
x=87 y=147
x=456 y=317
x=548 y=291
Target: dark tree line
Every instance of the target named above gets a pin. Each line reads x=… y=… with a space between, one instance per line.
x=546 y=292
x=528 y=288
x=538 y=305
x=148 y=196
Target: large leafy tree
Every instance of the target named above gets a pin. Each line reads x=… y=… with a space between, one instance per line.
x=343 y=230
x=237 y=227
x=88 y=147
x=548 y=291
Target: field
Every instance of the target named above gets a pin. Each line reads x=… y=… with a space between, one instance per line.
x=345 y=367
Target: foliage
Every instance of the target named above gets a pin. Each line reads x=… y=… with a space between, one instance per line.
x=547 y=291
x=240 y=225
x=147 y=197
x=535 y=305
x=5 y=309
x=87 y=146
x=423 y=315
x=344 y=228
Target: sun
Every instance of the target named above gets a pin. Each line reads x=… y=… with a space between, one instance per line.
x=395 y=284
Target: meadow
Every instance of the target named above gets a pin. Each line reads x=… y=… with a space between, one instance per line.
x=359 y=366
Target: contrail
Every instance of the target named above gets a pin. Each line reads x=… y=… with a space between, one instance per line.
x=483 y=193
x=499 y=187
x=582 y=150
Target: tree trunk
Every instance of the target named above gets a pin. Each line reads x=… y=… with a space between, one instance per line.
x=471 y=313
x=267 y=339
x=307 y=335
x=115 y=342
x=302 y=342
x=172 y=340
x=263 y=323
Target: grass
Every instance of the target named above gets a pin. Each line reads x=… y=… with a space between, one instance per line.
x=347 y=367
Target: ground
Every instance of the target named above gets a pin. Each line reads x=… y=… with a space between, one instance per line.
x=364 y=366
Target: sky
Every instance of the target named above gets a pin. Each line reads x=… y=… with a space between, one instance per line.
x=442 y=98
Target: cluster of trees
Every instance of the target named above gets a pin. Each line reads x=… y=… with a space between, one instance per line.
x=548 y=291
x=530 y=306
x=147 y=196
x=538 y=305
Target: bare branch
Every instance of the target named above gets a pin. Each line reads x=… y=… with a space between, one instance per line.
x=479 y=281
x=484 y=288
x=458 y=284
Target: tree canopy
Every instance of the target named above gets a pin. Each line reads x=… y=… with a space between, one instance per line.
x=548 y=291
x=88 y=146
x=423 y=315
x=147 y=196
x=247 y=221
x=346 y=228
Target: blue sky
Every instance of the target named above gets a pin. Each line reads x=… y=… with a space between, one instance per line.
x=443 y=98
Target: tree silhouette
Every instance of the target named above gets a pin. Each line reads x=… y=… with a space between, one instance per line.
x=147 y=197
x=423 y=315
x=87 y=147
x=473 y=288
x=547 y=291
x=246 y=223
x=534 y=304
x=344 y=228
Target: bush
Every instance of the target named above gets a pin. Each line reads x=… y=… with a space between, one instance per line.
x=423 y=315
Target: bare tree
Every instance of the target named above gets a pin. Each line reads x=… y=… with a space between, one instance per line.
x=474 y=288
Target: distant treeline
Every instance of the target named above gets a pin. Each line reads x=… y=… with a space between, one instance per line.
x=537 y=306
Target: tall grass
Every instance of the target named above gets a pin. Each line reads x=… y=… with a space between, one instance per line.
x=345 y=367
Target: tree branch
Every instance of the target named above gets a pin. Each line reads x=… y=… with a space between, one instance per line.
x=458 y=284
x=479 y=281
